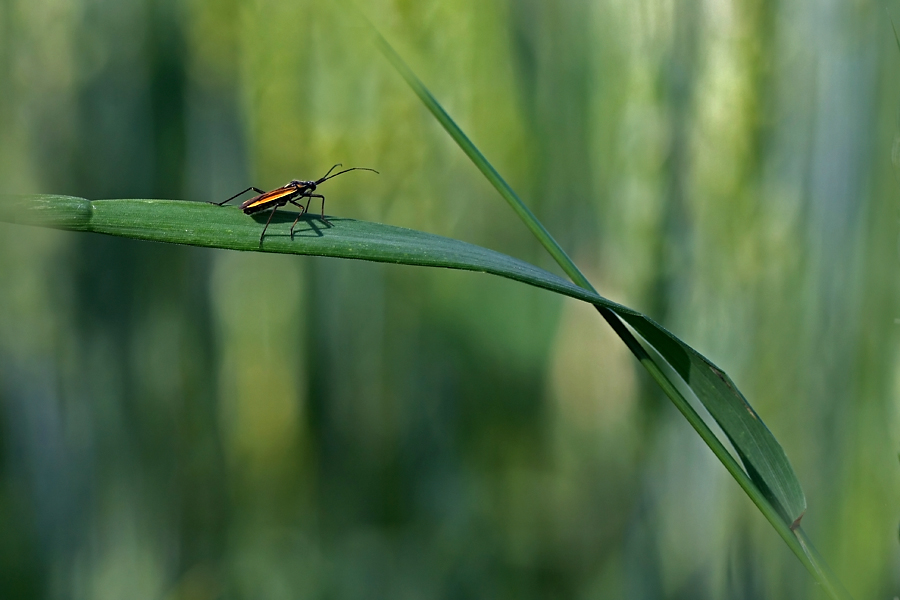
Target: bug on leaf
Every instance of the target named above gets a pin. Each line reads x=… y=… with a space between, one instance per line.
x=290 y=193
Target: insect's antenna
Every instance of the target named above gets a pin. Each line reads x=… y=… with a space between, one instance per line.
x=326 y=178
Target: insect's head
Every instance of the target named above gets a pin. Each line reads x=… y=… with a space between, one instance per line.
x=296 y=183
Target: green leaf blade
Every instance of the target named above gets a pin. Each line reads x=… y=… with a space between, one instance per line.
x=225 y=227
x=759 y=450
x=207 y=225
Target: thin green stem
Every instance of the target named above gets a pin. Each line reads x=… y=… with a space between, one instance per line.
x=799 y=546
x=826 y=578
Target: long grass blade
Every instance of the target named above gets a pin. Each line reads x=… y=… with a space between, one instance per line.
x=207 y=225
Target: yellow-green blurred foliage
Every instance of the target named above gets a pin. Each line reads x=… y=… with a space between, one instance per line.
x=181 y=423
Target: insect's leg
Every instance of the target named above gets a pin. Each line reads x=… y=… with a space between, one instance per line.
x=311 y=196
x=300 y=214
x=255 y=189
x=267 y=225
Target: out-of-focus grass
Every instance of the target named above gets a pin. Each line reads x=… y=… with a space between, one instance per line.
x=439 y=433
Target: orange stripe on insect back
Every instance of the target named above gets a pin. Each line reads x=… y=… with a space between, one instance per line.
x=268 y=197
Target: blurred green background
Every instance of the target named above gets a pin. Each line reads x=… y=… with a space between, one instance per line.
x=182 y=423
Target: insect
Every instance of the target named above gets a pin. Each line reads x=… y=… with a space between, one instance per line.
x=291 y=192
